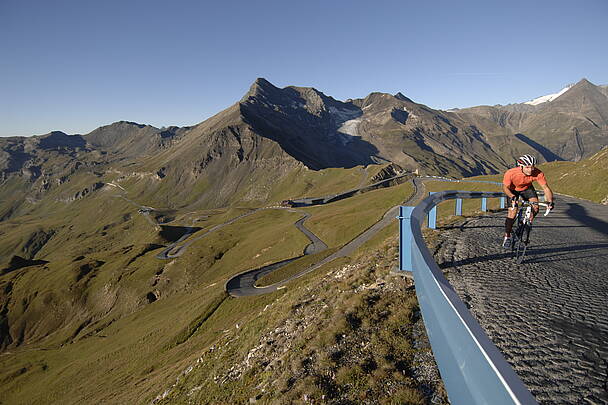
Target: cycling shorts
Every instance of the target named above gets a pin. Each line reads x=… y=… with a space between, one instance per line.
x=526 y=194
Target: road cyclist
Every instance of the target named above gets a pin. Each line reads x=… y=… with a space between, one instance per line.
x=517 y=182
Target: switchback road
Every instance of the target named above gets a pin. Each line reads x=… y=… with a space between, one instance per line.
x=244 y=284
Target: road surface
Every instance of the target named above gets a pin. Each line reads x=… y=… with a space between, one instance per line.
x=549 y=315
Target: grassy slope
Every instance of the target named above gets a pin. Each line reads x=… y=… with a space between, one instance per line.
x=96 y=325
x=587 y=179
x=339 y=222
x=298 y=183
x=310 y=183
x=344 y=333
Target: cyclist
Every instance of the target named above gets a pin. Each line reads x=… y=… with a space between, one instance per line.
x=518 y=182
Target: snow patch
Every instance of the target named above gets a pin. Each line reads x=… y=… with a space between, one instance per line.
x=548 y=97
x=350 y=127
x=346 y=122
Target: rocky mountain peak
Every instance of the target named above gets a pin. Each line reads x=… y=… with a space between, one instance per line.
x=264 y=94
x=382 y=101
x=128 y=123
x=400 y=96
x=58 y=139
x=261 y=88
x=583 y=92
x=122 y=135
x=584 y=81
x=584 y=85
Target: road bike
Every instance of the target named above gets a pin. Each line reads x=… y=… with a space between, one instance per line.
x=521 y=236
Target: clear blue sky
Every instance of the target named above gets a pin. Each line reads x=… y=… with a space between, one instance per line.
x=76 y=65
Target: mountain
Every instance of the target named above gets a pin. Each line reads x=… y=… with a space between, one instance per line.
x=322 y=132
x=307 y=124
x=418 y=137
x=246 y=153
x=570 y=125
x=130 y=139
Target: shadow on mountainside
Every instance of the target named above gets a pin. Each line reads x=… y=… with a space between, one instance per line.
x=546 y=153
x=314 y=140
x=174 y=233
x=18 y=262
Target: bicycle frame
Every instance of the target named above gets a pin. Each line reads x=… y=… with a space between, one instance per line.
x=521 y=236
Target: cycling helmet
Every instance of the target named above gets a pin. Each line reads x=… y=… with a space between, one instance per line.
x=526 y=160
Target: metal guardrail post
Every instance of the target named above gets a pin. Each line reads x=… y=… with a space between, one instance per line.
x=484 y=204
x=458 y=209
x=432 y=216
x=405 y=238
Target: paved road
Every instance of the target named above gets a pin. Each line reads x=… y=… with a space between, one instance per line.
x=316 y=245
x=549 y=316
x=174 y=250
x=244 y=284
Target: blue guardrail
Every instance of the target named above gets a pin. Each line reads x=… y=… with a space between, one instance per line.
x=472 y=368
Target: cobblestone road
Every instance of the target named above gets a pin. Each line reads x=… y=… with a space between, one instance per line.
x=548 y=316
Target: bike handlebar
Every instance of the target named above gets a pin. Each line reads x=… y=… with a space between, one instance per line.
x=547 y=206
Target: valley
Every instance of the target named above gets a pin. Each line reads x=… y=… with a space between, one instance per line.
x=119 y=248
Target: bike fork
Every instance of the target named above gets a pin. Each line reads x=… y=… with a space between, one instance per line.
x=527 y=230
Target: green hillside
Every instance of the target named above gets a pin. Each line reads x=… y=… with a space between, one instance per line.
x=587 y=179
x=105 y=321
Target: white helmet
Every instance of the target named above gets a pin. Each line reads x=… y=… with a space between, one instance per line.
x=526 y=160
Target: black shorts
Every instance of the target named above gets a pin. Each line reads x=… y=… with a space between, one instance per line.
x=526 y=194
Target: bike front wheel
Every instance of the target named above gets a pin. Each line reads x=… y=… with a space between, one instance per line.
x=521 y=244
x=520 y=251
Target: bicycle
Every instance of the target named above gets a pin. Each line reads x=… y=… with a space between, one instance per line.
x=521 y=236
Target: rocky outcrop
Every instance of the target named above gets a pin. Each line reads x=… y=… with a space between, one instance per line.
x=18 y=262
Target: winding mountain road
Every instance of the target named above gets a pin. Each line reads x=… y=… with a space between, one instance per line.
x=243 y=284
x=316 y=245
x=175 y=250
x=548 y=316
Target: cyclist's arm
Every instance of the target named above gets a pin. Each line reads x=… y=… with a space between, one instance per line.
x=548 y=192
x=509 y=192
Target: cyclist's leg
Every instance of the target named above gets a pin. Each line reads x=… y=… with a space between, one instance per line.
x=510 y=220
x=529 y=194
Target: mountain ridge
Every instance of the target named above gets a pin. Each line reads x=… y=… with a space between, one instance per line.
x=242 y=152
x=573 y=126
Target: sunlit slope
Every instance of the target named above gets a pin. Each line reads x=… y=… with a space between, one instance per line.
x=105 y=321
x=586 y=179
x=339 y=222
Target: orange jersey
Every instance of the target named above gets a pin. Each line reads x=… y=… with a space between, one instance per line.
x=515 y=179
